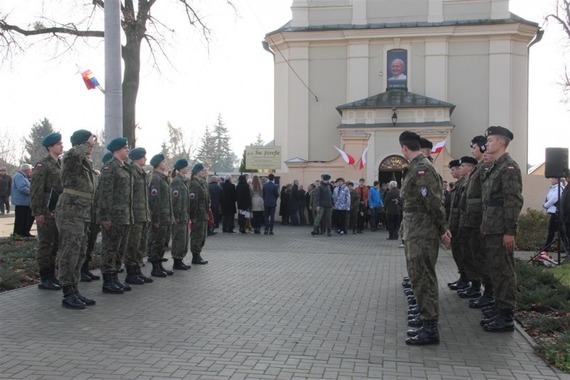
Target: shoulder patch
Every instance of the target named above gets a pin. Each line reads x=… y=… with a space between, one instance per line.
x=510 y=168
x=192 y=196
x=175 y=193
x=105 y=168
x=423 y=191
x=421 y=173
x=154 y=192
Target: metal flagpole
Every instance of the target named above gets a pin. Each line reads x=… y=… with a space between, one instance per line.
x=113 y=87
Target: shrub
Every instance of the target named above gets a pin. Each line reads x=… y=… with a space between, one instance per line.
x=549 y=323
x=556 y=350
x=532 y=230
x=539 y=290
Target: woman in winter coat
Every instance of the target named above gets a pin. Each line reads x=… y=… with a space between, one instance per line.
x=257 y=204
x=243 y=195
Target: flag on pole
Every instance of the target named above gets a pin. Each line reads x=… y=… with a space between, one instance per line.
x=437 y=148
x=90 y=81
x=363 y=158
x=347 y=157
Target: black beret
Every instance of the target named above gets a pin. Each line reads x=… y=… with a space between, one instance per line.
x=499 y=131
x=454 y=163
x=425 y=143
x=409 y=136
x=80 y=137
x=197 y=168
x=180 y=164
x=107 y=157
x=156 y=160
x=325 y=177
x=118 y=143
x=51 y=139
x=137 y=153
x=467 y=160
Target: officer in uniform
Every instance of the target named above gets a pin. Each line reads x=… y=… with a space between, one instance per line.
x=424 y=225
x=115 y=214
x=160 y=215
x=73 y=215
x=502 y=203
x=453 y=221
x=137 y=244
x=44 y=192
x=199 y=212
x=180 y=209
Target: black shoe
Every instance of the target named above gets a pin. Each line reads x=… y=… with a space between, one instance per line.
x=270 y=232
x=265 y=232
x=140 y=274
x=71 y=301
x=460 y=285
x=198 y=260
x=412 y=301
x=212 y=233
x=85 y=277
x=407 y=285
x=82 y=298
x=109 y=285
x=93 y=276
x=167 y=271
x=472 y=292
x=157 y=270
x=415 y=322
x=125 y=287
x=427 y=334
x=502 y=322
x=481 y=302
x=132 y=276
x=47 y=283
x=408 y=292
x=179 y=265
x=314 y=233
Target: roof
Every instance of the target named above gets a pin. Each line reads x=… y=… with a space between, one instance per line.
x=396 y=99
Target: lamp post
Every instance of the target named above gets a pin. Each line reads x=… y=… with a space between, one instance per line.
x=394 y=116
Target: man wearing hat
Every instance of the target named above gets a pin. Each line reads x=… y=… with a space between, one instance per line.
x=502 y=203
x=423 y=225
x=160 y=206
x=73 y=215
x=137 y=243
x=44 y=192
x=199 y=212
x=453 y=221
x=114 y=214
x=180 y=208
x=323 y=199
x=426 y=147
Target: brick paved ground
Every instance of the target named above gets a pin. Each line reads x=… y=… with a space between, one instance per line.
x=266 y=307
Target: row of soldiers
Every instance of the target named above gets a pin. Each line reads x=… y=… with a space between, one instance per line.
x=481 y=229
x=136 y=215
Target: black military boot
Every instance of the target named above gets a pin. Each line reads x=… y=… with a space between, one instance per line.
x=427 y=334
x=47 y=283
x=157 y=269
x=167 y=271
x=197 y=259
x=146 y=279
x=70 y=300
x=179 y=265
x=125 y=287
x=86 y=273
x=416 y=321
x=109 y=285
x=82 y=298
x=504 y=321
x=490 y=311
x=460 y=285
x=315 y=232
x=474 y=291
x=408 y=292
x=132 y=276
x=481 y=302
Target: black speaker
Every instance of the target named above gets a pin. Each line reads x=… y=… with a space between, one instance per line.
x=556 y=163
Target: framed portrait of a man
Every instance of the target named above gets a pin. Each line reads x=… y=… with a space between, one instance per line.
x=397 y=69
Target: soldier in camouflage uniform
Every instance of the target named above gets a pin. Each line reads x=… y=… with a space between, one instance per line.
x=502 y=203
x=456 y=251
x=73 y=214
x=323 y=200
x=115 y=214
x=180 y=209
x=424 y=225
x=160 y=205
x=137 y=244
x=199 y=212
x=44 y=191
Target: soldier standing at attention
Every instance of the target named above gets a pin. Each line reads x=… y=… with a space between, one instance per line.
x=424 y=225
x=114 y=214
x=137 y=244
x=160 y=206
x=73 y=215
x=324 y=203
x=180 y=208
x=502 y=203
x=44 y=191
x=199 y=214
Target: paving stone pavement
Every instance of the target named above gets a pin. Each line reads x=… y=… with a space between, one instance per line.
x=288 y=306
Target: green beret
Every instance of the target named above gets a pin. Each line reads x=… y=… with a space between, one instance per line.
x=499 y=131
x=51 y=139
x=197 y=168
x=80 y=137
x=425 y=143
x=325 y=177
x=107 y=157
x=181 y=164
x=118 y=143
x=468 y=160
x=454 y=163
x=137 y=153
x=156 y=160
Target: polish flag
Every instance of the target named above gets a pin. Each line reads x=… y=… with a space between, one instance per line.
x=347 y=157
x=363 y=158
x=437 y=148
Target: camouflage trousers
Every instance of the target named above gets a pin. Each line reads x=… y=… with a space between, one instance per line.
x=501 y=266
x=421 y=257
x=48 y=244
x=458 y=252
x=323 y=214
x=157 y=240
x=113 y=247
x=198 y=236
x=73 y=233
x=179 y=240
x=137 y=244
x=94 y=230
x=476 y=256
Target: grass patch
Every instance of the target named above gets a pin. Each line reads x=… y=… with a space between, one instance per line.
x=562 y=273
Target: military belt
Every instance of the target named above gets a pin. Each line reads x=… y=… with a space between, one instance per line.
x=494 y=203
x=414 y=209
x=80 y=194
x=474 y=201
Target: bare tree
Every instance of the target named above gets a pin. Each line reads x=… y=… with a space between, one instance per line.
x=136 y=21
x=561 y=16
x=11 y=150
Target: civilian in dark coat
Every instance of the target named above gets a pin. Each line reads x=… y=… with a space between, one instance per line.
x=295 y=204
x=284 y=206
x=270 y=195
x=228 y=205
x=216 y=196
x=392 y=203
x=5 y=191
x=243 y=197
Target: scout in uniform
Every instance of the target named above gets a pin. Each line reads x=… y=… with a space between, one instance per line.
x=199 y=212
x=456 y=249
x=180 y=209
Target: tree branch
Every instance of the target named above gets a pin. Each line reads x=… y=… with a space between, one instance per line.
x=71 y=30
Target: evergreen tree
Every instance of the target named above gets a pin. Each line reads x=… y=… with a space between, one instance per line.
x=225 y=159
x=35 y=151
x=207 y=153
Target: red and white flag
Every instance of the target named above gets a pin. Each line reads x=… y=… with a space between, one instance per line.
x=347 y=157
x=363 y=159
x=437 y=148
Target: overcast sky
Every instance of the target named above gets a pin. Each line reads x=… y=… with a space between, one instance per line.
x=233 y=76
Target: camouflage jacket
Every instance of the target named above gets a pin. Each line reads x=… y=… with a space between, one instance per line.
x=77 y=179
x=456 y=194
x=502 y=197
x=47 y=179
x=115 y=193
x=141 y=210
x=424 y=215
x=159 y=200
x=180 y=200
x=199 y=199
x=354 y=200
x=471 y=205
